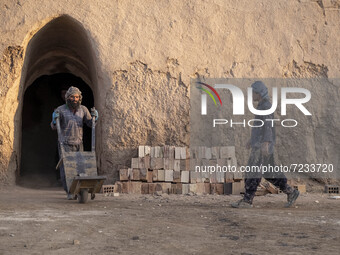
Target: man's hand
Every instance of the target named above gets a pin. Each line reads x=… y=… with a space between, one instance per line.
x=55 y=115
x=94 y=113
x=265 y=149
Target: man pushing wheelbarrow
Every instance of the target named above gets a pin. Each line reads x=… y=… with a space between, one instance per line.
x=78 y=169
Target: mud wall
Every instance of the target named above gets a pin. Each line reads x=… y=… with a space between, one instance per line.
x=144 y=54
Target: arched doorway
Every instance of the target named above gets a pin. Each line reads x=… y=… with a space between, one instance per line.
x=59 y=55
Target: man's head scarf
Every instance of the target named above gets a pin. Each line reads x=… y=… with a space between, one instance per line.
x=260 y=88
x=73 y=91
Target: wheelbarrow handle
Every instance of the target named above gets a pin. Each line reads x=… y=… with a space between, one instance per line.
x=93 y=137
x=59 y=134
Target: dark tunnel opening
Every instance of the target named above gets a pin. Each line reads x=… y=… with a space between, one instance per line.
x=39 y=151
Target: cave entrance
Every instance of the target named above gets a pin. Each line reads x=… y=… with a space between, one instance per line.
x=39 y=153
x=58 y=56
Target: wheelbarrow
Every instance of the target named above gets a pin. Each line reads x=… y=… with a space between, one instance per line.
x=80 y=169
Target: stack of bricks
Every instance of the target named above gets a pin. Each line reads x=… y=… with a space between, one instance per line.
x=167 y=169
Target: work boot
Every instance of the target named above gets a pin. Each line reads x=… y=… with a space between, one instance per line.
x=242 y=204
x=291 y=197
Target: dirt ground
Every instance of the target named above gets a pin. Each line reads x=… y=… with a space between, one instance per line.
x=42 y=221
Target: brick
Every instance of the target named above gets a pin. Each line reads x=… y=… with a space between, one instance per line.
x=300 y=187
x=187 y=152
x=147 y=150
x=176 y=176
x=193 y=176
x=143 y=174
x=178 y=152
x=136 y=188
x=205 y=177
x=185 y=176
x=157 y=163
x=192 y=188
x=169 y=175
x=207 y=154
x=130 y=173
x=123 y=174
x=176 y=188
x=117 y=187
x=152 y=188
x=183 y=153
x=161 y=175
x=220 y=177
x=141 y=163
x=233 y=188
x=134 y=162
x=177 y=165
x=212 y=177
x=152 y=152
x=168 y=164
x=229 y=176
x=217 y=188
x=201 y=152
x=158 y=152
x=215 y=152
x=332 y=189
x=155 y=175
x=185 y=189
x=135 y=174
x=203 y=188
x=126 y=187
x=194 y=152
x=184 y=165
x=227 y=151
x=149 y=176
x=166 y=151
x=145 y=188
x=172 y=152
x=141 y=153
x=166 y=187
x=144 y=162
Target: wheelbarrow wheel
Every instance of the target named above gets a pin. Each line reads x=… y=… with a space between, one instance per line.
x=83 y=195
